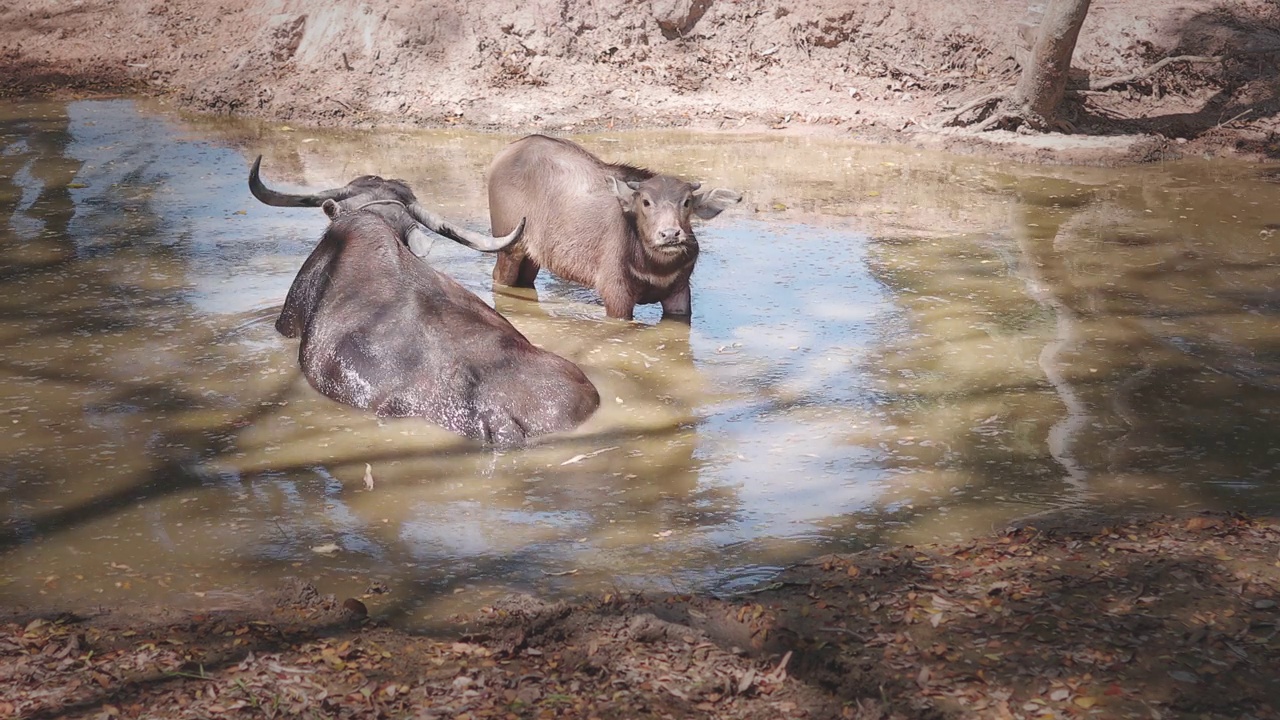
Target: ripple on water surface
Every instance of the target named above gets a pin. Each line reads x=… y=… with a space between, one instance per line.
x=887 y=346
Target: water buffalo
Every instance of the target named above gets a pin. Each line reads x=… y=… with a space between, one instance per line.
x=382 y=330
x=620 y=229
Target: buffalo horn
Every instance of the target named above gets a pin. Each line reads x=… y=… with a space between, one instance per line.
x=279 y=199
x=470 y=238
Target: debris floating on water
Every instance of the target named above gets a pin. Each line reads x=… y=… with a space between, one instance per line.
x=585 y=456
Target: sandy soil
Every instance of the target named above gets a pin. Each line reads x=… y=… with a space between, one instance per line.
x=1137 y=619
x=886 y=71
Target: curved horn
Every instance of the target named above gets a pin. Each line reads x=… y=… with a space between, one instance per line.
x=279 y=199
x=470 y=238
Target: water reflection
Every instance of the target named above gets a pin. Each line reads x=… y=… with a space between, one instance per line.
x=1165 y=314
x=887 y=346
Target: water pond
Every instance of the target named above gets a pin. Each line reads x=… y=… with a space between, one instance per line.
x=887 y=346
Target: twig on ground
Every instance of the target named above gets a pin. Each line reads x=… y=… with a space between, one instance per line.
x=1236 y=117
x=842 y=631
x=193 y=676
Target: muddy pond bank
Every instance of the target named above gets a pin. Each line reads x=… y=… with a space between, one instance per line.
x=873 y=72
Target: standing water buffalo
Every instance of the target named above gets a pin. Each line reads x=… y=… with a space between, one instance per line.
x=620 y=229
x=382 y=330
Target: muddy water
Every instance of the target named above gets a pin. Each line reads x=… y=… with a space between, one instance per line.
x=887 y=346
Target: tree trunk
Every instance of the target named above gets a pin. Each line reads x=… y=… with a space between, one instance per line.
x=1044 y=77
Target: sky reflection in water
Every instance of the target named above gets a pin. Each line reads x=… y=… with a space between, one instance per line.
x=887 y=346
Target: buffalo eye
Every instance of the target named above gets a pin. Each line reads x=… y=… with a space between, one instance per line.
x=688 y=201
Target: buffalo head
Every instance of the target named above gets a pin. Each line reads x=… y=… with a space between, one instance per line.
x=663 y=206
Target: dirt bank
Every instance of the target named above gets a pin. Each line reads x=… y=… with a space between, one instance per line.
x=886 y=71
x=1159 y=618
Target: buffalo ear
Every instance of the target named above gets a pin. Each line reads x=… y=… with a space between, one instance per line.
x=710 y=203
x=331 y=209
x=624 y=192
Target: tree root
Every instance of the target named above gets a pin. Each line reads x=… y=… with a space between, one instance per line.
x=987 y=103
x=1003 y=117
x=995 y=111
x=991 y=110
x=998 y=120
x=1151 y=69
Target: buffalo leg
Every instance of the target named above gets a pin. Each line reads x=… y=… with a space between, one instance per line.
x=506 y=271
x=678 y=303
x=528 y=273
x=618 y=305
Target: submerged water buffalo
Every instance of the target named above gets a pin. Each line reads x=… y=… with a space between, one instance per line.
x=620 y=229
x=382 y=330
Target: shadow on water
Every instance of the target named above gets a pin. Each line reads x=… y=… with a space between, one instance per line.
x=54 y=293
x=887 y=346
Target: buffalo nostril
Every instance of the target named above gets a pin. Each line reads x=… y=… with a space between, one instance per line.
x=669 y=234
